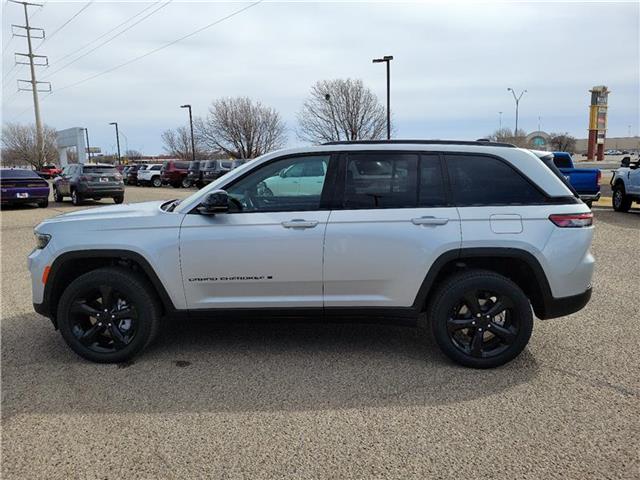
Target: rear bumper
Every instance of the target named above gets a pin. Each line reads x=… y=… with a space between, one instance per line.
x=590 y=197
x=559 y=307
x=109 y=191
x=9 y=195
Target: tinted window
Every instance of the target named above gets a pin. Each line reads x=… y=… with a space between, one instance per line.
x=182 y=165
x=562 y=161
x=480 y=180
x=274 y=187
x=18 y=173
x=381 y=180
x=101 y=169
x=431 y=191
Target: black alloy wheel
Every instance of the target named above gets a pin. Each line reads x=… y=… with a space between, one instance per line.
x=480 y=319
x=108 y=315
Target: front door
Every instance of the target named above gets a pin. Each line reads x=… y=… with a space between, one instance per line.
x=394 y=220
x=267 y=251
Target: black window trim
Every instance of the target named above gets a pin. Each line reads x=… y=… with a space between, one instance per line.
x=327 y=189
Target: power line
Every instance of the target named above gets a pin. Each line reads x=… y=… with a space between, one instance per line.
x=151 y=52
x=65 y=23
x=106 y=33
x=108 y=40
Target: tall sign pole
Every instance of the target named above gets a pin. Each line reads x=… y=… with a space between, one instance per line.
x=597 y=122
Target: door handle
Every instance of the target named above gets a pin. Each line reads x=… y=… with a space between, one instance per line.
x=300 y=223
x=429 y=221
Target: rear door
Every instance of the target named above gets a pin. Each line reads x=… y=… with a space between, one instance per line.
x=391 y=220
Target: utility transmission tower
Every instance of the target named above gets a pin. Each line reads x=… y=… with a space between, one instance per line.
x=29 y=32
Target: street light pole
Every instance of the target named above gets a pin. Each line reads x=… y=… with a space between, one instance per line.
x=500 y=120
x=517 y=99
x=86 y=134
x=387 y=59
x=117 y=140
x=193 y=143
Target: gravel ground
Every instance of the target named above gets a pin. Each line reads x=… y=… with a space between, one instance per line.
x=298 y=401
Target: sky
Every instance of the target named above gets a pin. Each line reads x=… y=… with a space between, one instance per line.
x=453 y=63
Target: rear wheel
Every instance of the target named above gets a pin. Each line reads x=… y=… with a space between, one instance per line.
x=57 y=196
x=76 y=198
x=119 y=199
x=43 y=203
x=621 y=202
x=186 y=183
x=156 y=182
x=480 y=319
x=108 y=315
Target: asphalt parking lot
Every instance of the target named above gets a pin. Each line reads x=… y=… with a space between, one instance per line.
x=298 y=401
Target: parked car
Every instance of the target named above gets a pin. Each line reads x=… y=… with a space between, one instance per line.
x=585 y=181
x=82 y=181
x=131 y=177
x=49 y=171
x=150 y=175
x=195 y=173
x=625 y=185
x=18 y=185
x=468 y=239
x=214 y=169
x=174 y=173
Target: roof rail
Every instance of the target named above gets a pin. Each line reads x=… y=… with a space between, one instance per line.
x=421 y=142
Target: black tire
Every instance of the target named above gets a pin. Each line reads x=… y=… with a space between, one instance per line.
x=57 y=196
x=620 y=200
x=43 y=203
x=128 y=299
x=156 y=182
x=463 y=323
x=118 y=199
x=185 y=183
x=76 y=198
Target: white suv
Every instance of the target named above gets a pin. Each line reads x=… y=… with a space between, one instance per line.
x=474 y=234
x=151 y=175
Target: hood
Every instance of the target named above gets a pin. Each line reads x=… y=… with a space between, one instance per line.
x=143 y=209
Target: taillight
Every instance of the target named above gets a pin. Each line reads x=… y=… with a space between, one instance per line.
x=598 y=177
x=572 y=220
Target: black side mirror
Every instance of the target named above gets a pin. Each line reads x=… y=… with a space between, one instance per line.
x=626 y=161
x=215 y=202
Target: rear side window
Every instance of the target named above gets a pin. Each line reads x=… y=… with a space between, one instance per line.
x=561 y=161
x=481 y=180
x=381 y=180
x=431 y=191
x=182 y=165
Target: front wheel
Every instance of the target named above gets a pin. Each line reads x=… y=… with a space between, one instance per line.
x=108 y=315
x=156 y=182
x=480 y=319
x=621 y=202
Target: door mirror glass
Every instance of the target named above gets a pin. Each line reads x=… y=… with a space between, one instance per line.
x=215 y=202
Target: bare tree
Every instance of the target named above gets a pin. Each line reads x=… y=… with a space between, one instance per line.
x=133 y=154
x=177 y=143
x=563 y=142
x=506 y=135
x=241 y=128
x=341 y=110
x=19 y=145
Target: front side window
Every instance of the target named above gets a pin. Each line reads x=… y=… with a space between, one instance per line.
x=381 y=180
x=481 y=180
x=288 y=184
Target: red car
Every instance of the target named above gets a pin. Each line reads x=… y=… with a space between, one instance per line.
x=174 y=173
x=49 y=171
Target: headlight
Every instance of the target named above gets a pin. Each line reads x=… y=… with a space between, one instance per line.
x=42 y=240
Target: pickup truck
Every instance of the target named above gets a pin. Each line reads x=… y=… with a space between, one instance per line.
x=585 y=181
x=625 y=185
x=49 y=171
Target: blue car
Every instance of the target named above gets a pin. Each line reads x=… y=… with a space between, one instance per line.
x=23 y=186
